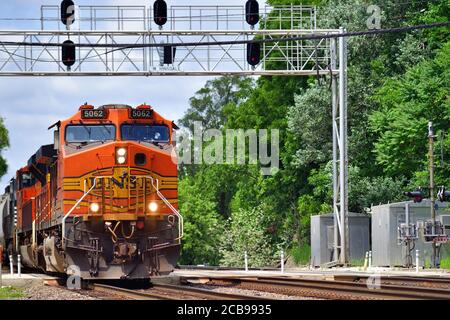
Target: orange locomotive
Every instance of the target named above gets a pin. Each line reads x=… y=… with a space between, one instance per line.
x=101 y=202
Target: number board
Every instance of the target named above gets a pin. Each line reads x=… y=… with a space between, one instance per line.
x=141 y=114
x=93 y=114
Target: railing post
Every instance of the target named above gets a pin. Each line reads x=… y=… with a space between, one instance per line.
x=282 y=261
x=11 y=265
x=417 y=261
x=246 y=261
x=19 y=266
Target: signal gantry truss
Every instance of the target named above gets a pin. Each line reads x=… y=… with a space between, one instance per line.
x=96 y=26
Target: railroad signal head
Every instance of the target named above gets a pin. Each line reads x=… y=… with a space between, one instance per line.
x=416 y=195
x=253 y=53
x=443 y=195
x=68 y=53
x=160 y=12
x=169 y=54
x=252 y=12
x=67 y=12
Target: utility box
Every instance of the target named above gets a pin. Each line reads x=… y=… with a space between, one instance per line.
x=322 y=238
x=387 y=251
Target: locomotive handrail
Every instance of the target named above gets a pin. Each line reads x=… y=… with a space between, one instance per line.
x=171 y=207
x=94 y=183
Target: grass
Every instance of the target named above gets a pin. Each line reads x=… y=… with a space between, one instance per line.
x=10 y=293
x=445 y=263
x=301 y=254
x=357 y=262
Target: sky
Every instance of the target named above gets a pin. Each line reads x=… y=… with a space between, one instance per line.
x=30 y=105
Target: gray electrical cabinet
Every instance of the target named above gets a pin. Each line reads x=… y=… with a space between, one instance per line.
x=322 y=237
x=386 y=219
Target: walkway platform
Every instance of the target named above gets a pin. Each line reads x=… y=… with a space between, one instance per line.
x=323 y=274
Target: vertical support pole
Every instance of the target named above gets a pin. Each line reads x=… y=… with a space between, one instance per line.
x=246 y=261
x=11 y=265
x=434 y=258
x=343 y=160
x=334 y=103
x=366 y=260
x=417 y=260
x=282 y=261
x=370 y=259
x=19 y=266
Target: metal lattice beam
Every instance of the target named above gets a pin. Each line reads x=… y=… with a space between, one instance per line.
x=278 y=58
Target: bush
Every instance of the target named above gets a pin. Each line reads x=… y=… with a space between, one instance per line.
x=246 y=232
x=301 y=254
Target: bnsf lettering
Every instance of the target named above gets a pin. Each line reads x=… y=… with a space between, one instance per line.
x=141 y=114
x=121 y=183
x=93 y=114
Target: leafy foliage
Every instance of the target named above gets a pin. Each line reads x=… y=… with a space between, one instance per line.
x=397 y=83
x=246 y=233
x=4 y=143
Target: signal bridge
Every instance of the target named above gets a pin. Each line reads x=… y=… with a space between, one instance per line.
x=100 y=28
x=190 y=41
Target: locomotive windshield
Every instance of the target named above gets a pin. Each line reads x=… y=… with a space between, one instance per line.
x=137 y=132
x=90 y=133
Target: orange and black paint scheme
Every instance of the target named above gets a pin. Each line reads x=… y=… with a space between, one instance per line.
x=100 y=202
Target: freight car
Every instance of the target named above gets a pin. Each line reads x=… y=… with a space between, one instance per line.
x=102 y=200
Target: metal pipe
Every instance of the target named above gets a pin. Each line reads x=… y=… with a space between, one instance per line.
x=246 y=261
x=370 y=259
x=417 y=260
x=334 y=103
x=282 y=261
x=19 y=266
x=343 y=161
x=434 y=259
x=11 y=265
x=407 y=217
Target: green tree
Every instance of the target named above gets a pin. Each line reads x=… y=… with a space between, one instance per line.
x=4 y=143
x=203 y=226
x=407 y=103
x=246 y=233
x=210 y=103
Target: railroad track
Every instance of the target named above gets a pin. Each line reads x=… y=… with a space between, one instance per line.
x=328 y=289
x=427 y=282
x=171 y=292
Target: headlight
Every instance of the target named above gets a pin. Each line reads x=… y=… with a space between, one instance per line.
x=121 y=155
x=153 y=207
x=95 y=207
x=121 y=152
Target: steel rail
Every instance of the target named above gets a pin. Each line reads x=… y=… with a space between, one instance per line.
x=415 y=280
x=208 y=294
x=173 y=292
x=133 y=294
x=328 y=287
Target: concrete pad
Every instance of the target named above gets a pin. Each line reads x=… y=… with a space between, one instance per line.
x=25 y=280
